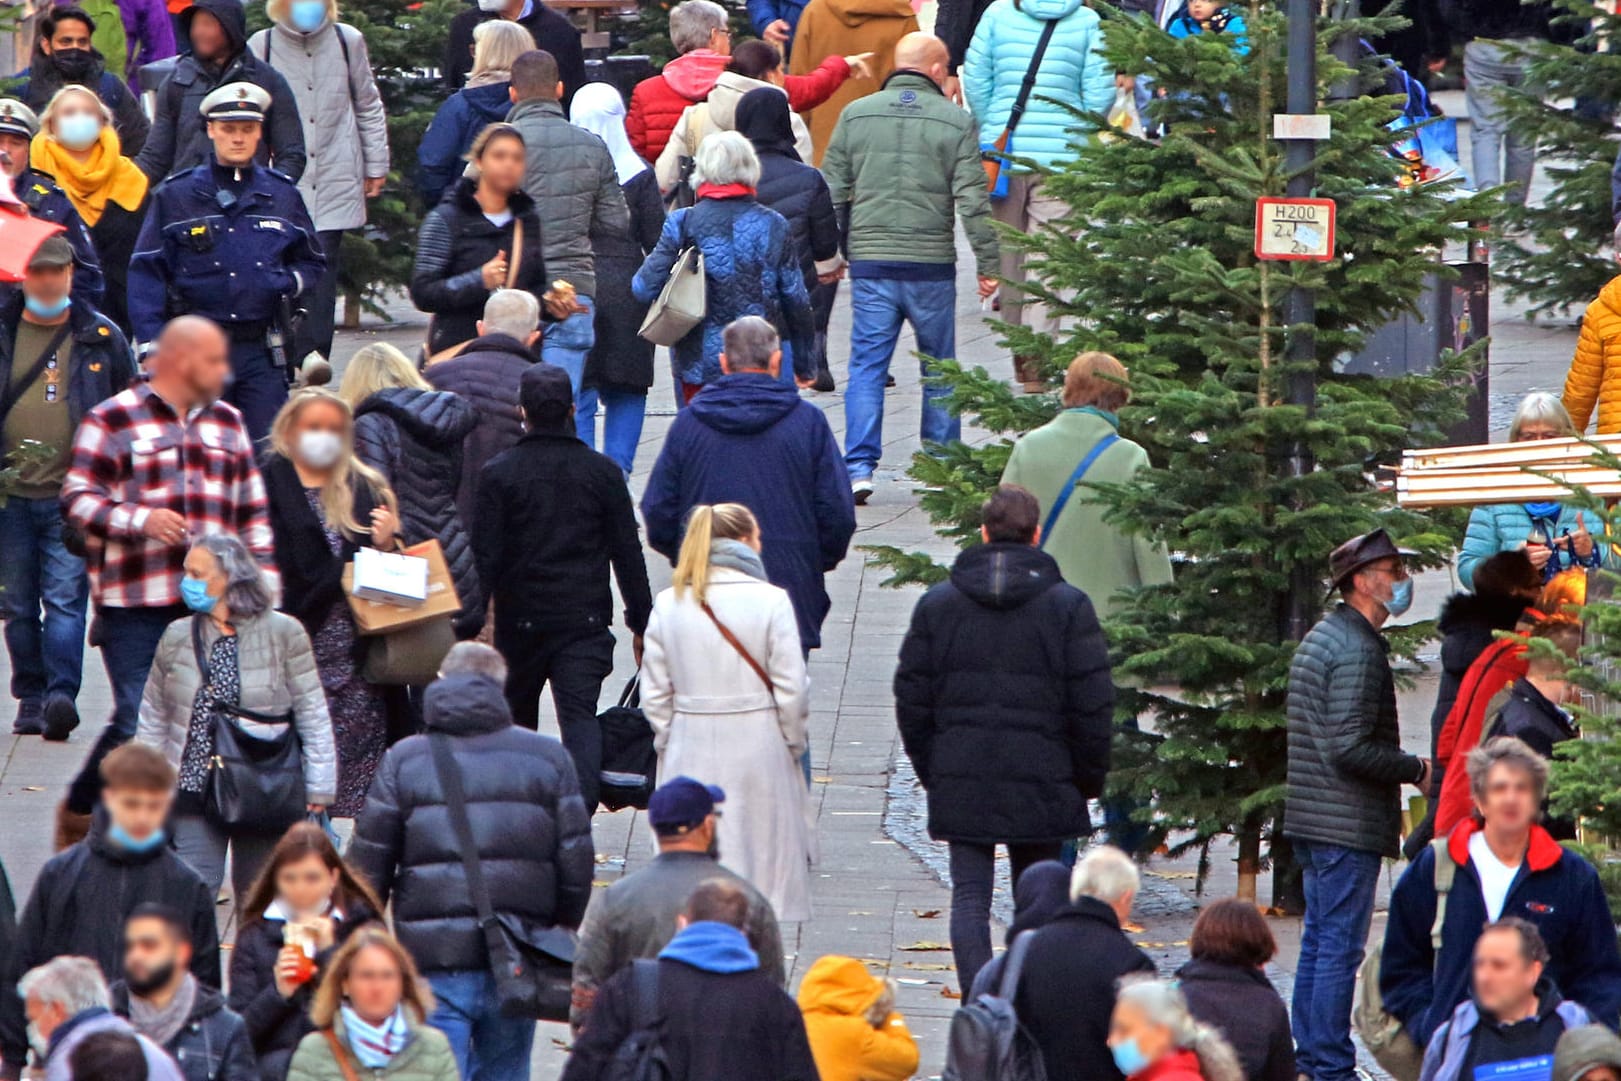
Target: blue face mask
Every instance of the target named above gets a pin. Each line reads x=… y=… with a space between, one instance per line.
x=307 y=15
x=78 y=131
x=119 y=836
x=1128 y=1058
x=194 y=591
x=42 y=310
x=1401 y=597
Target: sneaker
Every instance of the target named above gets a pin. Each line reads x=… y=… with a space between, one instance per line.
x=61 y=717
x=861 y=490
x=824 y=380
x=889 y=381
x=28 y=722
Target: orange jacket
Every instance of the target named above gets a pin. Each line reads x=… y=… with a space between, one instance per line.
x=1595 y=370
x=835 y=996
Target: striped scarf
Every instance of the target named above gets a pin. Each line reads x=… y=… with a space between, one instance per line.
x=375 y=1045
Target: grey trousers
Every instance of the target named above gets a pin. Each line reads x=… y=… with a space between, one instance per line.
x=203 y=845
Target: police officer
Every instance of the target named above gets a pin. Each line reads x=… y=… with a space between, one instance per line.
x=46 y=201
x=229 y=240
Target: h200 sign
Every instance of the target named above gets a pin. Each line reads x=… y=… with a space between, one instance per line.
x=1294 y=229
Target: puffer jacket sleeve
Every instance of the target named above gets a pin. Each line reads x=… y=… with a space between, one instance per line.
x=636 y=119
x=824 y=228
x=377 y=443
x=1097 y=76
x=368 y=105
x=974 y=205
x=431 y=290
x=155 y=726
x=792 y=297
x=309 y=711
x=313 y=1060
x=1355 y=685
x=380 y=829
x=1481 y=541
x=655 y=269
x=1585 y=380
x=978 y=72
x=808 y=90
x=915 y=690
x=786 y=666
x=576 y=854
x=668 y=166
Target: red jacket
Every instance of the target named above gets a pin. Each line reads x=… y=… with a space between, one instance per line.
x=657 y=103
x=1503 y=662
x=1174 y=1066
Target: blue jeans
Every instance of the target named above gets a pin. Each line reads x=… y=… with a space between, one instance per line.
x=488 y=1045
x=623 y=412
x=878 y=305
x=1340 y=884
x=566 y=345
x=37 y=571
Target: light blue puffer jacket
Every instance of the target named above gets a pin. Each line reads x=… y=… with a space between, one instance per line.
x=1498 y=527
x=1073 y=72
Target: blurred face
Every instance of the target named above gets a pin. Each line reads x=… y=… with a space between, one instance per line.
x=1378 y=580
x=48 y=285
x=235 y=141
x=208 y=38
x=45 y=1018
x=1533 y=430
x=1601 y=1073
x=139 y=812
x=306 y=886
x=1505 y=982
x=1200 y=10
x=77 y=121
x=1510 y=801
x=720 y=41
x=502 y=164
x=1130 y=1027
x=204 y=367
x=69 y=34
x=14 y=149
x=375 y=984
x=201 y=565
x=152 y=956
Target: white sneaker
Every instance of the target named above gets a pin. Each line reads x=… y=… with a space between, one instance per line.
x=861 y=490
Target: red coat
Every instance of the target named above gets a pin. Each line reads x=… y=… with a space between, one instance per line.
x=1175 y=1066
x=1503 y=662
x=657 y=103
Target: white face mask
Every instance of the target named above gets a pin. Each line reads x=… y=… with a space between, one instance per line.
x=320 y=450
x=492 y=5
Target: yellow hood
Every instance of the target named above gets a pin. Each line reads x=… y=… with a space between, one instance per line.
x=838 y=985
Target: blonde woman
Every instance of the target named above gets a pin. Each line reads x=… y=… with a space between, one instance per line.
x=77 y=144
x=370 y=1017
x=325 y=504
x=484 y=100
x=724 y=686
x=326 y=64
x=412 y=436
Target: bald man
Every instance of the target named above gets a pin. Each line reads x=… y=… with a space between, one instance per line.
x=154 y=468
x=902 y=164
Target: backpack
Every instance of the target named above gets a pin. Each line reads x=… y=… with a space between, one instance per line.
x=1381 y=1032
x=986 y=1042
x=641 y=1057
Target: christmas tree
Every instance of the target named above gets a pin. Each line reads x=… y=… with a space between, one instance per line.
x=1154 y=263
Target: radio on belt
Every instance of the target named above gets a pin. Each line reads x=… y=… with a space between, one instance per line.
x=1294 y=229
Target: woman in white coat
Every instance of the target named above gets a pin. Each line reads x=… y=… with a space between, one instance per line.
x=724 y=686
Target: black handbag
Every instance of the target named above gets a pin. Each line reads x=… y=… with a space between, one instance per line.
x=254 y=783
x=533 y=966
x=629 y=762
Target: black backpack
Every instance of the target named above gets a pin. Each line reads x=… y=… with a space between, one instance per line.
x=641 y=1057
x=986 y=1041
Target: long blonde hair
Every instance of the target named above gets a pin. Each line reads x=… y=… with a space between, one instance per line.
x=338 y=494
x=705 y=525
x=329 y=996
x=378 y=366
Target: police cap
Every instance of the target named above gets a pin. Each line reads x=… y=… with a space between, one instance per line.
x=17 y=119
x=236 y=101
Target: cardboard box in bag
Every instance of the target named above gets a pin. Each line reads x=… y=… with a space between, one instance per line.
x=380 y=617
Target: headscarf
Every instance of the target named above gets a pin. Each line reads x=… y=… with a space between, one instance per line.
x=762 y=118
x=599 y=109
x=1041 y=893
x=105 y=176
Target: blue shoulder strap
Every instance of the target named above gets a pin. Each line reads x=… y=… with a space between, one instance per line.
x=1074 y=479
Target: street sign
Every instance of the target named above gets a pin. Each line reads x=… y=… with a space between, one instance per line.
x=1294 y=229
x=1315 y=126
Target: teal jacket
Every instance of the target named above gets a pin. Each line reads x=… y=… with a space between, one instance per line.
x=1073 y=75
x=1501 y=527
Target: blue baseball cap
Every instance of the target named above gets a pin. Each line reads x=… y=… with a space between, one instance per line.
x=681 y=804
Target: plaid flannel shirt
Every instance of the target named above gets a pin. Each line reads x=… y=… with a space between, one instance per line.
x=134 y=454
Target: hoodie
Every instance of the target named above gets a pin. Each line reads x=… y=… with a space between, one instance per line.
x=1582 y=1049
x=693 y=75
x=717 y=112
x=840 y=28
x=787 y=185
x=75 y=1030
x=712 y=947
x=441 y=156
x=1004 y=700
x=1472 y=1041
x=1040 y=894
x=836 y=995
x=749 y=438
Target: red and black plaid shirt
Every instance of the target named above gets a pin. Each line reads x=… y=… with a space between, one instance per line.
x=134 y=454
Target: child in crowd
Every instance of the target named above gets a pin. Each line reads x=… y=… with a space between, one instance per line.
x=1209 y=17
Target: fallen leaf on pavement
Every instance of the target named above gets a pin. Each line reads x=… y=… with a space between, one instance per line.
x=927 y=966
x=33 y=788
x=1132 y=928
x=926 y=913
x=946 y=992
x=925 y=947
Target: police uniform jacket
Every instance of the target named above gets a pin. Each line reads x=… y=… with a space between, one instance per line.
x=47 y=202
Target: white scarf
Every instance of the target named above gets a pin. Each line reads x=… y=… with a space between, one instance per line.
x=375 y=1045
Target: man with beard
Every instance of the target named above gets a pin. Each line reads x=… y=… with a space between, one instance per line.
x=636 y=916
x=164 y=1002
x=63 y=54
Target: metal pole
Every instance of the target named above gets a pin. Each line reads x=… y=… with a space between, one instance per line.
x=1300 y=306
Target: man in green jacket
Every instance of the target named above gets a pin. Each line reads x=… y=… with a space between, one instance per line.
x=902 y=165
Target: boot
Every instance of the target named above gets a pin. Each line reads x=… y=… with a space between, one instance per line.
x=824 y=380
x=71 y=828
x=1027 y=370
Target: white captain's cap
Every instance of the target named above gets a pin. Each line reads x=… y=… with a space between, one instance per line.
x=236 y=101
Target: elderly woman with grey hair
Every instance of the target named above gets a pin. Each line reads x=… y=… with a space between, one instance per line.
x=751 y=266
x=236 y=655
x=68 y=1005
x=1152 y=1034
x=1555 y=535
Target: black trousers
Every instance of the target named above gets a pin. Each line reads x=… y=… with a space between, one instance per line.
x=575 y=664
x=320 y=303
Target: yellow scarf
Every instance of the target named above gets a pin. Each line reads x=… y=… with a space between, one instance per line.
x=105 y=175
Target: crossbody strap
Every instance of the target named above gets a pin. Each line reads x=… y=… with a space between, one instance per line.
x=1029 y=83
x=340 y=1055
x=450 y=780
x=1014 y=964
x=742 y=651
x=645 y=985
x=1074 y=482
x=235 y=709
x=1446 y=869
x=517 y=253
x=15 y=392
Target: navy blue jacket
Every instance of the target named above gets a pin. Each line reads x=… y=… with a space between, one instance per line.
x=102 y=362
x=442 y=152
x=787 y=185
x=230 y=264
x=750 y=439
x=47 y=202
x=1556 y=890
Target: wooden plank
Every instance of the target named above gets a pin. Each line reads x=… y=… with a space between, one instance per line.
x=1538 y=451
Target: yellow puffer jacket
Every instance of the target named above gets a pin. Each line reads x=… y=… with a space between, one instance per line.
x=836 y=995
x=1595 y=371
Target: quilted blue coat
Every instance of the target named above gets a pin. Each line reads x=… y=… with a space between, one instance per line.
x=1073 y=74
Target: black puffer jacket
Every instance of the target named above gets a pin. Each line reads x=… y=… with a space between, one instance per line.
x=1346 y=765
x=1526 y=714
x=787 y=185
x=1004 y=699
x=276 y=1024
x=1468 y=623
x=414 y=437
x=486 y=374
x=213 y=1044
x=529 y=825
